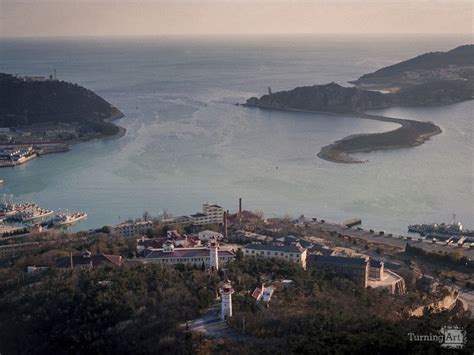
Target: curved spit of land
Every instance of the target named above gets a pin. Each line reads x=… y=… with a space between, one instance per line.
x=410 y=134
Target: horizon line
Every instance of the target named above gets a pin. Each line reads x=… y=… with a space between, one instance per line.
x=221 y=35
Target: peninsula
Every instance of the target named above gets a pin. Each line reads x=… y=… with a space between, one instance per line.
x=442 y=78
x=46 y=114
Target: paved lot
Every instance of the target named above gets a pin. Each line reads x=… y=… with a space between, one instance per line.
x=211 y=325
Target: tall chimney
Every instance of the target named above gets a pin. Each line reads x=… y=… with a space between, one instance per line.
x=225 y=224
x=240 y=212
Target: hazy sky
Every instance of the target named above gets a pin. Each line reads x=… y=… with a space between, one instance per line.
x=155 y=17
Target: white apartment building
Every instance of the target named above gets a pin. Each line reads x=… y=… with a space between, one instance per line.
x=130 y=229
x=211 y=214
x=292 y=253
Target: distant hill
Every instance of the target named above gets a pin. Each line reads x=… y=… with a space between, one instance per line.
x=456 y=64
x=325 y=98
x=25 y=102
x=338 y=99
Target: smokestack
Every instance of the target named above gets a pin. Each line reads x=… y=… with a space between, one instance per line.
x=225 y=223
x=240 y=212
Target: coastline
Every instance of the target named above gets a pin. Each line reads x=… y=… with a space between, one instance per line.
x=411 y=133
x=65 y=146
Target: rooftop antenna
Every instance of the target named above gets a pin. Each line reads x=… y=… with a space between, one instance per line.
x=454 y=218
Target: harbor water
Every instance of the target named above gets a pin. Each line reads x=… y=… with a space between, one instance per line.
x=188 y=143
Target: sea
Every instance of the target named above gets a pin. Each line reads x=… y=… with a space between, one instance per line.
x=187 y=143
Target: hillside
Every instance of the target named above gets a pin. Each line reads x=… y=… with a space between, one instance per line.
x=456 y=64
x=338 y=99
x=25 y=102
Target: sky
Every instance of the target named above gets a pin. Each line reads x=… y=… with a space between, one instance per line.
x=31 y=18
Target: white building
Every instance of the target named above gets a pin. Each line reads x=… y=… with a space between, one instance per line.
x=211 y=214
x=169 y=255
x=226 y=296
x=130 y=229
x=293 y=253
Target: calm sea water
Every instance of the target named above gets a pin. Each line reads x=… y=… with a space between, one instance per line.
x=187 y=143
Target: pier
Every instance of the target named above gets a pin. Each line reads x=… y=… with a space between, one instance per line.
x=352 y=222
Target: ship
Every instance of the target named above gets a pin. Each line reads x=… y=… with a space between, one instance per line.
x=33 y=214
x=7 y=207
x=66 y=219
x=441 y=229
x=27 y=212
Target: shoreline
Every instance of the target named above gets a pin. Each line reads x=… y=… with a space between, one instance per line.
x=65 y=146
x=411 y=133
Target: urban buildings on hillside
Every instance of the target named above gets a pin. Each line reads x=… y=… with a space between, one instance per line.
x=292 y=253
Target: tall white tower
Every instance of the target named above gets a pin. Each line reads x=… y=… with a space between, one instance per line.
x=214 y=255
x=226 y=296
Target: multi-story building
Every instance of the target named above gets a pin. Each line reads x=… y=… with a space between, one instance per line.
x=214 y=212
x=292 y=253
x=13 y=250
x=169 y=255
x=355 y=268
x=130 y=229
x=211 y=214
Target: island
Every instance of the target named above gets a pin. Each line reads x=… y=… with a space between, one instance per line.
x=436 y=79
x=40 y=115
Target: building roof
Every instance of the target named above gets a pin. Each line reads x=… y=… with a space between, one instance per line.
x=151 y=243
x=270 y=247
x=376 y=263
x=85 y=260
x=183 y=253
x=199 y=214
x=214 y=206
x=340 y=259
x=257 y=293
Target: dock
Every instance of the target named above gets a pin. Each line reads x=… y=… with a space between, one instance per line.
x=352 y=222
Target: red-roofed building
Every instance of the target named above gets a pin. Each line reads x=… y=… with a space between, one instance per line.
x=86 y=260
x=169 y=255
